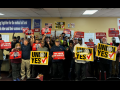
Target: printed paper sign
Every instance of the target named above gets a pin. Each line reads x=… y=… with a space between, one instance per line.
x=29 y=32
x=35 y=46
x=84 y=53
x=39 y=57
x=25 y=29
x=79 y=34
x=46 y=30
x=100 y=35
x=67 y=31
x=6 y=45
x=36 y=29
x=113 y=33
x=58 y=55
x=106 y=51
x=90 y=44
x=1 y=41
x=16 y=55
x=48 y=25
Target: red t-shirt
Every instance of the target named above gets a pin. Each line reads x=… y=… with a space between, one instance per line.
x=16 y=60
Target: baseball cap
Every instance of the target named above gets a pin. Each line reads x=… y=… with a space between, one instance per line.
x=57 y=40
x=79 y=39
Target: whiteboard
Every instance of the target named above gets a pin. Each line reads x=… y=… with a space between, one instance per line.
x=87 y=36
x=96 y=40
x=117 y=40
x=5 y=38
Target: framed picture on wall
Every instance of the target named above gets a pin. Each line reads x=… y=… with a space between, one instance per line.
x=59 y=25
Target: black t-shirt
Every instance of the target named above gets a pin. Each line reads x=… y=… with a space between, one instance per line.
x=46 y=45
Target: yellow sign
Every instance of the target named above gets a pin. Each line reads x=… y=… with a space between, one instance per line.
x=39 y=57
x=84 y=53
x=106 y=51
x=59 y=25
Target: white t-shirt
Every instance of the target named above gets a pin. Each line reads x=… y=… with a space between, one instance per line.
x=74 y=50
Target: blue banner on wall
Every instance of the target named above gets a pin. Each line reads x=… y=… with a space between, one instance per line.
x=36 y=23
x=14 y=25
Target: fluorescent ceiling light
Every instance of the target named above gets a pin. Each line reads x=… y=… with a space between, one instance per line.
x=1 y=14
x=89 y=12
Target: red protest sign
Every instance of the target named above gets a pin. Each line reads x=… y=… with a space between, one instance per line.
x=36 y=29
x=29 y=32
x=90 y=44
x=1 y=41
x=100 y=35
x=58 y=55
x=25 y=29
x=113 y=33
x=46 y=30
x=79 y=34
x=16 y=55
x=67 y=31
x=35 y=46
x=6 y=45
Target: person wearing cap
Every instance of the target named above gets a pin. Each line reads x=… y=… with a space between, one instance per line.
x=104 y=63
x=79 y=64
x=115 y=64
x=57 y=65
x=75 y=40
x=12 y=46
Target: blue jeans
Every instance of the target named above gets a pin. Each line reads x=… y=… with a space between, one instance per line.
x=0 y=65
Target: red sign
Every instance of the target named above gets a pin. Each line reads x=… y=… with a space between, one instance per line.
x=79 y=34
x=46 y=30
x=29 y=32
x=67 y=31
x=100 y=35
x=113 y=33
x=35 y=46
x=90 y=44
x=1 y=41
x=25 y=29
x=6 y=45
x=16 y=55
x=58 y=55
x=36 y=29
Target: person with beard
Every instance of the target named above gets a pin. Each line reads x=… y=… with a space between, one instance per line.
x=115 y=64
x=104 y=63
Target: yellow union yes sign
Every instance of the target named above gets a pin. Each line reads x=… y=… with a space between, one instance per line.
x=84 y=53
x=39 y=57
x=106 y=51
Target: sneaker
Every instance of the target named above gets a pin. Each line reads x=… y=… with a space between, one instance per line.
x=18 y=79
x=15 y=80
x=22 y=78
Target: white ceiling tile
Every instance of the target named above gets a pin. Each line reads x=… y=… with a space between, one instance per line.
x=65 y=9
x=51 y=9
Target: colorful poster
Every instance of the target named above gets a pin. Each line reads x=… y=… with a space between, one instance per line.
x=5 y=45
x=39 y=57
x=66 y=31
x=48 y=25
x=46 y=30
x=16 y=55
x=36 y=23
x=35 y=46
x=79 y=34
x=113 y=33
x=14 y=25
x=100 y=35
x=58 y=55
x=118 y=23
x=29 y=32
x=71 y=25
x=59 y=25
x=106 y=51
x=90 y=44
x=83 y=53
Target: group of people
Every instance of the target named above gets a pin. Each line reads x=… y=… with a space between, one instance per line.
x=68 y=68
